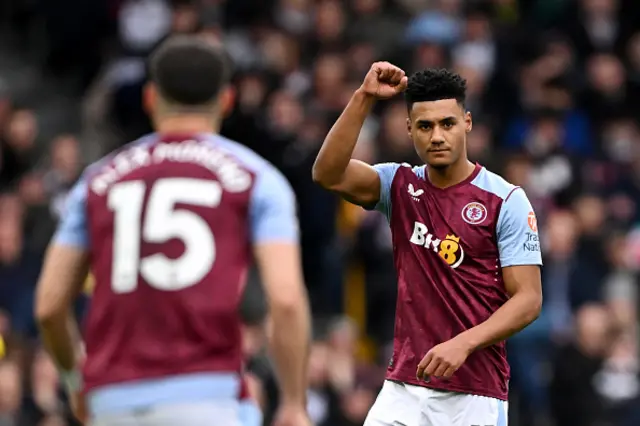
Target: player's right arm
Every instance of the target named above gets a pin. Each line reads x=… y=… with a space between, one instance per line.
x=334 y=169
x=275 y=235
x=63 y=273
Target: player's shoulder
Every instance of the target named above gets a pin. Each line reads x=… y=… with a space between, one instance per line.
x=271 y=187
x=248 y=158
x=391 y=169
x=105 y=161
x=495 y=184
x=269 y=180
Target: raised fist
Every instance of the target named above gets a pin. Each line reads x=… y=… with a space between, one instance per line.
x=384 y=80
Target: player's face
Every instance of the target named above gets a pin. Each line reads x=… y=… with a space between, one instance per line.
x=438 y=130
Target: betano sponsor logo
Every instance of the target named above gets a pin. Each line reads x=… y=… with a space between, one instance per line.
x=449 y=248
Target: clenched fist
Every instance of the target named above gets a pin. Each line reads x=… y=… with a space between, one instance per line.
x=384 y=81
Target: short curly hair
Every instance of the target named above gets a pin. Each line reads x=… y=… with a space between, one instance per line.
x=435 y=84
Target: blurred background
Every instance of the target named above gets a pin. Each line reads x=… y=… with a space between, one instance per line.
x=554 y=89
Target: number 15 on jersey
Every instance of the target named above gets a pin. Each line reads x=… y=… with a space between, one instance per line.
x=162 y=221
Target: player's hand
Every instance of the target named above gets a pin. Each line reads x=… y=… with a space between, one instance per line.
x=384 y=81
x=443 y=360
x=292 y=415
x=79 y=407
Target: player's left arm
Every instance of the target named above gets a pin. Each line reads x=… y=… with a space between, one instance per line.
x=520 y=258
x=275 y=237
x=64 y=272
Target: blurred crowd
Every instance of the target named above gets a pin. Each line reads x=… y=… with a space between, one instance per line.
x=553 y=87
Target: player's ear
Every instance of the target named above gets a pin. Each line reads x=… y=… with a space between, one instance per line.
x=149 y=98
x=468 y=121
x=409 y=126
x=227 y=100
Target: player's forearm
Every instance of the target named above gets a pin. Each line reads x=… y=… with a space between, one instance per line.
x=338 y=146
x=289 y=345
x=518 y=312
x=61 y=339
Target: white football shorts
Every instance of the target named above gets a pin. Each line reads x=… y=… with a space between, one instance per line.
x=400 y=404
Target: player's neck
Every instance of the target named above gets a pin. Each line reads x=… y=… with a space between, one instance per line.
x=452 y=175
x=187 y=123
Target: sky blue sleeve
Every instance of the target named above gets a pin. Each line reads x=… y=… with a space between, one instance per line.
x=72 y=229
x=517 y=232
x=386 y=172
x=273 y=209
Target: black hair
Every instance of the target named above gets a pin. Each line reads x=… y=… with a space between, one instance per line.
x=435 y=84
x=188 y=70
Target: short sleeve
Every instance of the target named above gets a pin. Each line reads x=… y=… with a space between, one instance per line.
x=386 y=173
x=72 y=229
x=517 y=232
x=272 y=212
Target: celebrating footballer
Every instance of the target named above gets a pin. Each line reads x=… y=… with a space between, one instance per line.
x=468 y=272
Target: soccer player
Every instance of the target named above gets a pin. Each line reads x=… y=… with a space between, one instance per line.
x=168 y=226
x=466 y=251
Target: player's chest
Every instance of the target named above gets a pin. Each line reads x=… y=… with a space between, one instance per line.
x=445 y=221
